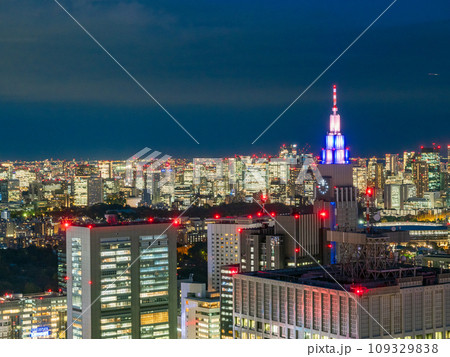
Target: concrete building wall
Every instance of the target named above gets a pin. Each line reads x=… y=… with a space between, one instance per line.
x=266 y=308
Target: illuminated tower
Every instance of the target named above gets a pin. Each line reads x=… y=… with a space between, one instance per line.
x=335 y=151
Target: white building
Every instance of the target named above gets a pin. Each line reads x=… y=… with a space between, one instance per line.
x=200 y=312
x=224 y=245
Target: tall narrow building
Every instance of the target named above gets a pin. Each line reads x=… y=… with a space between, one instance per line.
x=121 y=281
x=335 y=151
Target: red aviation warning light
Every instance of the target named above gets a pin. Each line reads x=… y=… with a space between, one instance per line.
x=66 y=224
x=239 y=230
x=150 y=220
x=217 y=216
x=263 y=198
x=323 y=214
x=359 y=290
x=297 y=250
x=273 y=214
x=249 y=216
x=296 y=216
x=330 y=245
x=259 y=214
x=369 y=191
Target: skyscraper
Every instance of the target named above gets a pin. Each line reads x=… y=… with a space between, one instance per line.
x=420 y=176
x=121 y=281
x=224 y=245
x=433 y=158
x=335 y=151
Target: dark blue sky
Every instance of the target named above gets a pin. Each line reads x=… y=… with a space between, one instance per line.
x=225 y=70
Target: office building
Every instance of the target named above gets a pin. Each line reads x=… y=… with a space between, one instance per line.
x=223 y=239
x=105 y=169
x=360 y=179
x=307 y=303
x=122 y=281
x=433 y=159
x=200 y=312
x=10 y=191
x=395 y=195
x=420 y=177
x=226 y=299
x=87 y=190
x=368 y=295
x=33 y=316
x=284 y=242
x=391 y=166
x=95 y=190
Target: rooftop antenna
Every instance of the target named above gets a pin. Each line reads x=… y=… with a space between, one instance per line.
x=334 y=100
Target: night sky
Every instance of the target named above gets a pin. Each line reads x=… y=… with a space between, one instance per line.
x=225 y=70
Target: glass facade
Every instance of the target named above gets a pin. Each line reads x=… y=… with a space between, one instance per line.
x=115 y=259
x=76 y=288
x=154 y=286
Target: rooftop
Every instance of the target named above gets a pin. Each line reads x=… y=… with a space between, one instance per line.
x=316 y=276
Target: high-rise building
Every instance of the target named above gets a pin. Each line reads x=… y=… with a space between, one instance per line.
x=360 y=178
x=368 y=295
x=335 y=151
x=448 y=159
x=396 y=194
x=121 y=281
x=105 y=169
x=95 y=190
x=433 y=159
x=420 y=176
x=200 y=312
x=10 y=191
x=284 y=242
x=408 y=159
x=307 y=303
x=391 y=164
x=224 y=245
x=226 y=299
x=80 y=191
x=87 y=190
x=379 y=176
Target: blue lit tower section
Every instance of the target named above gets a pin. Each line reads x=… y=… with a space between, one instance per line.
x=335 y=151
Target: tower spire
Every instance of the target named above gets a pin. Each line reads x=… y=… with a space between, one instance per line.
x=334 y=100
x=335 y=151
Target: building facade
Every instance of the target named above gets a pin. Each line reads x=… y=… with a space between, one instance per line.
x=200 y=312
x=34 y=316
x=303 y=303
x=122 y=281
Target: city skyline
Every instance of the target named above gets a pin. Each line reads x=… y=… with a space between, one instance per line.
x=226 y=170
